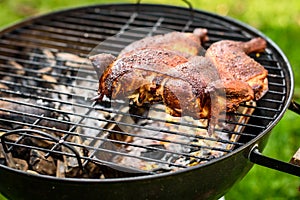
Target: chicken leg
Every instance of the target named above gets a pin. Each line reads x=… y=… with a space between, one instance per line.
x=232 y=62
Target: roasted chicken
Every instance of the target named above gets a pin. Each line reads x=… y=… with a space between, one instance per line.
x=167 y=68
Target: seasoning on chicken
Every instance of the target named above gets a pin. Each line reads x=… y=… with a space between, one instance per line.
x=172 y=47
x=135 y=69
x=196 y=89
x=151 y=70
x=232 y=62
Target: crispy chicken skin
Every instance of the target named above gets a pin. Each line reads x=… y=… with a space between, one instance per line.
x=167 y=68
x=191 y=88
x=134 y=69
x=232 y=62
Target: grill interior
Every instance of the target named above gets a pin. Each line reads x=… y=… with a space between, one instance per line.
x=46 y=86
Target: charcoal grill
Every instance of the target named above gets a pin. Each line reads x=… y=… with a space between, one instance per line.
x=46 y=87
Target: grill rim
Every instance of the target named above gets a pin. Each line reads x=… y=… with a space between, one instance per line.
x=278 y=53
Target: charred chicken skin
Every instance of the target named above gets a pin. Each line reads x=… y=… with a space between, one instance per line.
x=167 y=68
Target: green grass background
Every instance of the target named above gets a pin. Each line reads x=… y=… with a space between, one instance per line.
x=279 y=20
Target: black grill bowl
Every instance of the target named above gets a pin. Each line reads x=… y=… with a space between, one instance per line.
x=209 y=181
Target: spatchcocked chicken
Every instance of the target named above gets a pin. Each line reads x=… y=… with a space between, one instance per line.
x=167 y=68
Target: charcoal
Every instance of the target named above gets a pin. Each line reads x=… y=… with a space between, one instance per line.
x=2 y=156
x=73 y=166
x=93 y=170
x=60 y=169
x=19 y=164
x=39 y=163
x=3 y=86
x=17 y=68
x=17 y=108
x=154 y=153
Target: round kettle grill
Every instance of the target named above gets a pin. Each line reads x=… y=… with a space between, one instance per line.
x=46 y=84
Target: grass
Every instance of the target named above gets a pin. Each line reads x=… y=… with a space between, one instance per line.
x=279 y=20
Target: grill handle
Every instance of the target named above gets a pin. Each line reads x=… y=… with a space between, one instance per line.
x=293 y=167
x=256 y=157
x=295 y=107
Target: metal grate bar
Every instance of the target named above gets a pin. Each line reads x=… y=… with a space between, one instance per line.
x=67 y=32
x=35 y=33
x=30 y=44
x=39 y=73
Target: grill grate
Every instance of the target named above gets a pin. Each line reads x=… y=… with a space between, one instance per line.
x=46 y=84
